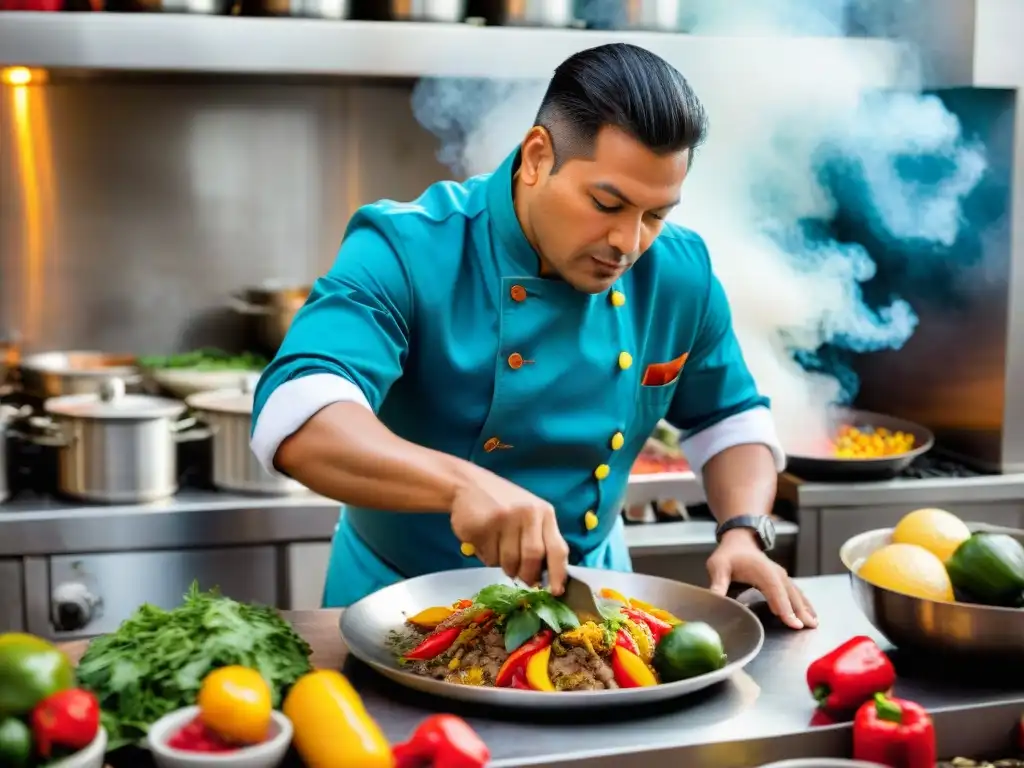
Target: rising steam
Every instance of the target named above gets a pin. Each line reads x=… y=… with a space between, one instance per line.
x=759 y=179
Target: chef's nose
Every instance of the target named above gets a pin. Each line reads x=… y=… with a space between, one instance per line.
x=625 y=237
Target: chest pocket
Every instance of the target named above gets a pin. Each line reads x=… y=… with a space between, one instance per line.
x=652 y=404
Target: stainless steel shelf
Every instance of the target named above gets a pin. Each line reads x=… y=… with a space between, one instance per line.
x=233 y=45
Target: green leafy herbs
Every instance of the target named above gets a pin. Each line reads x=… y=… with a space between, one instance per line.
x=525 y=611
x=156 y=660
x=208 y=359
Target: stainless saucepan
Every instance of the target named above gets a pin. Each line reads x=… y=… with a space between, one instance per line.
x=365 y=627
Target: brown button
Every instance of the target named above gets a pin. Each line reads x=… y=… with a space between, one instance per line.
x=492 y=445
x=515 y=361
x=518 y=293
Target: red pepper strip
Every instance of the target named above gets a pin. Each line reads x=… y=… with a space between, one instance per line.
x=434 y=644
x=623 y=638
x=519 y=681
x=850 y=675
x=658 y=627
x=518 y=658
x=894 y=732
x=68 y=719
x=483 y=616
x=462 y=604
x=443 y=740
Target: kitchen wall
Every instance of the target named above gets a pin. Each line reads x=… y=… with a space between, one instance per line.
x=130 y=209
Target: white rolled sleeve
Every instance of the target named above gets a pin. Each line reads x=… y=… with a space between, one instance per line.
x=293 y=404
x=752 y=427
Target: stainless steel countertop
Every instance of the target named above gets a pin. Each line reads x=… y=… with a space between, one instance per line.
x=34 y=526
x=767 y=707
x=951 y=490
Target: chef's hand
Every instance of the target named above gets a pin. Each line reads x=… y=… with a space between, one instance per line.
x=739 y=558
x=511 y=527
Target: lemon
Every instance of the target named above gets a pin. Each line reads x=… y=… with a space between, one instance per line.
x=938 y=531
x=909 y=570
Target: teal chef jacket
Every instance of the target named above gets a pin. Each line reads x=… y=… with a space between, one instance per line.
x=434 y=316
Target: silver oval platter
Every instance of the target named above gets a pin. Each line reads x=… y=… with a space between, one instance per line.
x=366 y=626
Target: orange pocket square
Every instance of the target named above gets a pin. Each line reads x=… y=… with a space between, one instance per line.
x=659 y=374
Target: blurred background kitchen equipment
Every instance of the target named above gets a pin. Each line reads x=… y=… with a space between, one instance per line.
x=944 y=629
x=55 y=374
x=271 y=310
x=228 y=414
x=823 y=467
x=528 y=13
x=114 y=447
x=208 y=7
x=449 y=11
x=655 y=15
x=320 y=9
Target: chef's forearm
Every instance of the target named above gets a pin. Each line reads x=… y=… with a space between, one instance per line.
x=740 y=480
x=344 y=452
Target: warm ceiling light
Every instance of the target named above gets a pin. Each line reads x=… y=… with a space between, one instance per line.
x=22 y=76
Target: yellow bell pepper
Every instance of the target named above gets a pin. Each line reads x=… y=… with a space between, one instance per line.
x=234 y=703
x=537 y=676
x=658 y=613
x=332 y=727
x=630 y=671
x=429 y=618
x=642 y=637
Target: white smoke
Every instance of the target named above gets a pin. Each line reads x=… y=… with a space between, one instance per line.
x=759 y=175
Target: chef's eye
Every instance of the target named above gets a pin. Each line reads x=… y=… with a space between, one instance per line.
x=605 y=208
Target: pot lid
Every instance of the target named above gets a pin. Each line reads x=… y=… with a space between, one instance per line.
x=113 y=403
x=237 y=401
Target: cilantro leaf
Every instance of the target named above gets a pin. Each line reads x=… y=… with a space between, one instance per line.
x=520 y=627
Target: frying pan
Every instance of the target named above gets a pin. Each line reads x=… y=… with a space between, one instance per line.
x=826 y=468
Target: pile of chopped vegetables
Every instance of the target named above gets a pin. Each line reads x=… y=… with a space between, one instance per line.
x=206 y=360
x=511 y=637
x=156 y=660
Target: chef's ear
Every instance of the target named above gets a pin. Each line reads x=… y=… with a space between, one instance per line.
x=537 y=156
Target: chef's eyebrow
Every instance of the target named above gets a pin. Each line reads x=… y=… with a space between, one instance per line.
x=611 y=189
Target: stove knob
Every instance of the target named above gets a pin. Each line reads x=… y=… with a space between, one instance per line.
x=73 y=607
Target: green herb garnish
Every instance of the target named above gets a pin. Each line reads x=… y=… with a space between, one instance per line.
x=525 y=610
x=156 y=660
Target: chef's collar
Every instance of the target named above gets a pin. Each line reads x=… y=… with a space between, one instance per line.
x=524 y=260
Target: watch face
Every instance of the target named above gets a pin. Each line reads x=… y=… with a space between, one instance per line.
x=766 y=530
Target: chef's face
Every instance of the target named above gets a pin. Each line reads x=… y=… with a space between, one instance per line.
x=594 y=217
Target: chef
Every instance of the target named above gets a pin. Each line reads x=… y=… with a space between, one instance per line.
x=478 y=371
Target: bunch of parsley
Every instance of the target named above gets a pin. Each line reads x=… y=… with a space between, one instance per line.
x=524 y=611
x=156 y=660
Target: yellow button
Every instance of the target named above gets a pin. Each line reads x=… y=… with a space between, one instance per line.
x=467 y=549
x=618 y=298
x=590 y=520
x=618 y=440
x=625 y=360
x=602 y=471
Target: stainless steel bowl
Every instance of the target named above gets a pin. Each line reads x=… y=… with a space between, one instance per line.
x=365 y=627
x=942 y=628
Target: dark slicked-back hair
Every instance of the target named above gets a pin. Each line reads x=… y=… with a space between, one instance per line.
x=624 y=86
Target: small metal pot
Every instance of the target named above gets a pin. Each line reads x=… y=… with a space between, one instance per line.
x=527 y=13
x=228 y=413
x=450 y=11
x=116 y=448
x=271 y=310
x=55 y=374
x=320 y=9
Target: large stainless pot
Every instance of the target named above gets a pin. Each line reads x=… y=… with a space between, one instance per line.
x=271 y=310
x=228 y=414
x=55 y=374
x=116 y=448
x=5 y=415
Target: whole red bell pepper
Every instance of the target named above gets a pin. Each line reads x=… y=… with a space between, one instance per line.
x=68 y=719
x=442 y=741
x=658 y=627
x=518 y=658
x=434 y=644
x=850 y=675
x=894 y=732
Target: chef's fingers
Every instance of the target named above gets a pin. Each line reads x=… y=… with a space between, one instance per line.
x=777 y=595
x=556 y=553
x=721 y=575
x=487 y=549
x=508 y=547
x=531 y=550
x=801 y=605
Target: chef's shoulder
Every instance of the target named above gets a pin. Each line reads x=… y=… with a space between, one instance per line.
x=677 y=268
x=425 y=235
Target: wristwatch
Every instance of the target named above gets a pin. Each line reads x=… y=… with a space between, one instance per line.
x=761 y=525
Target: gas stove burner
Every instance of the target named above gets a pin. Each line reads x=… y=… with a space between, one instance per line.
x=926 y=467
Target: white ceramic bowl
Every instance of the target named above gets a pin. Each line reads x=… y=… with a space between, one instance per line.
x=266 y=755
x=182 y=382
x=90 y=757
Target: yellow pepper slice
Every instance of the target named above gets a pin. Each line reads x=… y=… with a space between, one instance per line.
x=657 y=613
x=429 y=618
x=332 y=727
x=537 y=676
x=630 y=671
x=642 y=637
